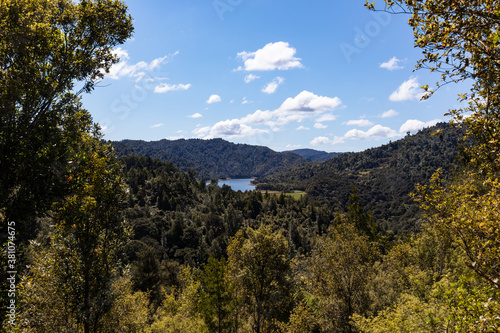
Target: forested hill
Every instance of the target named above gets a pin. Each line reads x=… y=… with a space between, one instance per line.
x=384 y=176
x=214 y=158
x=313 y=155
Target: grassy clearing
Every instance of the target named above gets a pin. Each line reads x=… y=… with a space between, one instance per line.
x=295 y=194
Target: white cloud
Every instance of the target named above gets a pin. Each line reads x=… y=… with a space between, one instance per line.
x=214 y=99
x=360 y=122
x=305 y=105
x=246 y=101
x=137 y=71
x=233 y=129
x=308 y=102
x=414 y=125
x=201 y=131
x=271 y=87
x=303 y=128
x=320 y=126
x=320 y=140
x=289 y=146
x=337 y=139
x=392 y=64
x=389 y=114
x=323 y=140
x=272 y=56
x=376 y=132
x=157 y=125
x=165 y=87
x=381 y=132
x=258 y=117
x=196 y=115
x=326 y=117
x=408 y=90
x=250 y=77
x=121 y=53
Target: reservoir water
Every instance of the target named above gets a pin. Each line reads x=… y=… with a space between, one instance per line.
x=238 y=184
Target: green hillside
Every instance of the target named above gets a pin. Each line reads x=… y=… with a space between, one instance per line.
x=384 y=176
x=313 y=155
x=214 y=158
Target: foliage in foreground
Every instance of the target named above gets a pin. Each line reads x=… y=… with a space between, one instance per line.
x=207 y=259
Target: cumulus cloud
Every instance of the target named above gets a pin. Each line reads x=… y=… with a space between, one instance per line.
x=196 y=115
x=319 y=126
x=380 y=132
x=389 y=114
x=305 y=105
x=213 y=99
x=233 y=128
x=259 y=117
x=201 y=131
x=323 y=140
x=250 y=77
x=359 y=122
x=271 y=87
x=138 y=70
x=308 y=102
x=408 y=90
x=392 y=64
x=303 y=128
x=414 y=125
x=326 y=117
x=165 y=87
x=320 y=140
x=272 y=56
x=121 y=53
x=157 y=125
x=376 y=132
x=337 y=139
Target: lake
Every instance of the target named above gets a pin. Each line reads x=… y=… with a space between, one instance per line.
x=238 y=184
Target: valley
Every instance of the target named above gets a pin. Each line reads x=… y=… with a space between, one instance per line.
x=383 y=176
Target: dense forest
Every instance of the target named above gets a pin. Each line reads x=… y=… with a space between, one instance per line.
x=95 y=242
x=214 y=158
x=313 y=155
x=384 y=176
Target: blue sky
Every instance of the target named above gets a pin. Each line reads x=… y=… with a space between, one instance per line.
x=328 y=75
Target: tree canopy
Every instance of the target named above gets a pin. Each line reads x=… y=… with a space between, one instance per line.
x=53 y=163
x=47 y=49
